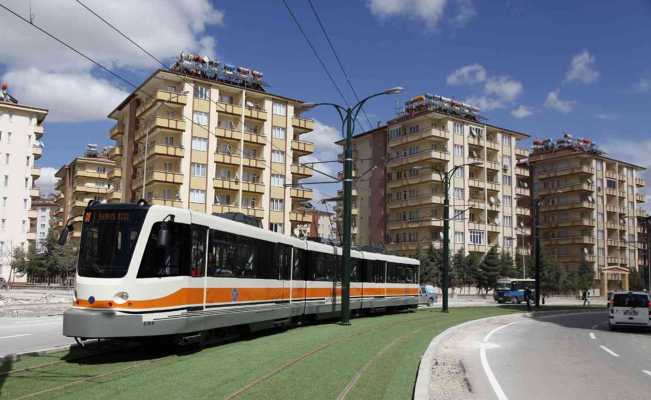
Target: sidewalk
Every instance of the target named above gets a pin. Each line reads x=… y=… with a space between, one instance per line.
x=34 y=302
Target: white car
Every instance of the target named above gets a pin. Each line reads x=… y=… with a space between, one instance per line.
x=629 y=309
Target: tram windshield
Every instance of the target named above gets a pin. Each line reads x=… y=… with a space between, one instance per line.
x=107 y=242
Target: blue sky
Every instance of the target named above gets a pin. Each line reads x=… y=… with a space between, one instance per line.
x=539 y=67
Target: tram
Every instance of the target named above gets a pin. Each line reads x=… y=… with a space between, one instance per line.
x=154 y=270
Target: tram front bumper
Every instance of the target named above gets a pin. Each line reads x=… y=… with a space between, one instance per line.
x=94 y=324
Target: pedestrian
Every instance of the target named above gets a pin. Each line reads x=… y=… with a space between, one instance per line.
x=527 y=298
x=586 y=298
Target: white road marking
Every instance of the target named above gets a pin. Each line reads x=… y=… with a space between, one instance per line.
x=497 y=388
x=592 y=336
x=13 y=336
x=646 y=372
x=607 y=350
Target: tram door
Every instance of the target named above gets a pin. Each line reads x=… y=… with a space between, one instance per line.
x=298 y=281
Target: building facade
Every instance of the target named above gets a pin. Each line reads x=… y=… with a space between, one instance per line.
x=21 y=128
x=323 y=227
x=41 y=219
x=84 y=179
x=215 y=147
x=589 y=206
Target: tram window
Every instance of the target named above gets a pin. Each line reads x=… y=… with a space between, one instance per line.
x=392 y=273
x=378 y=272
x=298 y=272
x=266 y=267
x=355 y=270
x=339 y=266
x=321 y=266
x=220 y=254
x=198 y=254
x=169 y=261
x=282 y=259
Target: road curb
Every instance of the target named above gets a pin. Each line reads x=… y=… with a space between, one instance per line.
x=424 y=376
x=40 y=352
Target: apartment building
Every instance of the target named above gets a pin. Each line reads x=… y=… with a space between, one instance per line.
x=21 y=128
x=84 y=179
x=644 y=241
x=589 y=204
x=213 y=143
x=489 y=199
x=369 y=182
x=323 y=227
x=41 y=217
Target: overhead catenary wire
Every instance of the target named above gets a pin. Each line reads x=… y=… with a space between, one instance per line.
x=341 y=66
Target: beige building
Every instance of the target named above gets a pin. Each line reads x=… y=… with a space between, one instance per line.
x=435 y=134
x=589 y=207
x=85 y=179
x=188 y=141
x=21 y=128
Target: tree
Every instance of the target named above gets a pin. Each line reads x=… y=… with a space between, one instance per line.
x=585 y=276
x=430 y=266
x=473 y=271
x=506 y=265
x=457 y=269
x=635 y=279
x=490 y=267
x=51 y=263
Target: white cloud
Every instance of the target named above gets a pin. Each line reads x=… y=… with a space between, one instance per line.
x=47 y=181
x=465 y=12
x=643 y=85
x=467 y=75
x=554 y=102
x=176 y=26
x=429 y=12
x=582 y=68
x=75 y=96
x=521 y=112
x=498 y=91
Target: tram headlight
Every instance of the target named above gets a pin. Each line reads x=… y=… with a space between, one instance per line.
x=121 y=297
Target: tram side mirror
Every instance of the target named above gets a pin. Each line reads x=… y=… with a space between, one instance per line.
x=63 y=237
x=164 y=234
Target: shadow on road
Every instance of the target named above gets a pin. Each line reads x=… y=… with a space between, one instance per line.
x=5 y=366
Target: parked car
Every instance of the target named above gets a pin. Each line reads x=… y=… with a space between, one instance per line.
x=629 y=309
x=427 y=295
x=3 y=284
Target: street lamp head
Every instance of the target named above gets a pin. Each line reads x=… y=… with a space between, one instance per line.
x=394 y=90
x=307 y=106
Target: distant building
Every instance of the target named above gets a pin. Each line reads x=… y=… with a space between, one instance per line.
x=21 y=127
x=41 y=218
x=323 y=227
x=589 y=205
x=84 y=179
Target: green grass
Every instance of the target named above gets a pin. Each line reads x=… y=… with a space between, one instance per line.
x=216 y=372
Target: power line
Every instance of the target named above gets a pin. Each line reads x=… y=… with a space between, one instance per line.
x=316 y=54
x=43 y=31
x=120 y=32
x=341 y=66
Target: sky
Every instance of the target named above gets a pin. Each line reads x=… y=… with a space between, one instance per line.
x=543 y=68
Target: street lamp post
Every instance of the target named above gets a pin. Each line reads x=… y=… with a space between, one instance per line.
x=536 y=235
x=348 y=117
x=445 y=177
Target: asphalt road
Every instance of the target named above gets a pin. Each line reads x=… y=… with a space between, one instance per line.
x=559 y=357
x=18 y=335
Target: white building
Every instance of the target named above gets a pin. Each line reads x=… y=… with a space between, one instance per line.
x=44 y=209
x=21 y=127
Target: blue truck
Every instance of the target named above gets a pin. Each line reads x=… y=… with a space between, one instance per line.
x=512 y=290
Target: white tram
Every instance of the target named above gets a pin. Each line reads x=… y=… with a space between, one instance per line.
x=153 y=270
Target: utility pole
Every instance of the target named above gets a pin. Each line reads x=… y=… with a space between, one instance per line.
x=536 y=235
x=348 y=117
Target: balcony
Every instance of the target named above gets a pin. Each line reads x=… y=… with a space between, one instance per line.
x=584 y=239
x=584 y=187
x=522 y=171
x=420 y=178
x=611 y=174
x=38 y=131
x=34 y=192
x=89 y=173
x=522 y=191
x=31 y=235
x=162 y=96
x=253 y=212
x=521 y=153
x=161 y=150
x=115 y=196
x=159 y=201
x=254 y=187
x=248 y=161
x=492 y=144
x=421 y=134
x=492 y=165
x=255 y=112
x=161 y=124
x=640 y=182
x=415 y=201
x=115 y=153
x=574 y=258
x=302 y=147
x=228 y=158
x=302 y=125
x=419 y=223
x=300 y=217
x=420 y=156
x=301 y=171
x=615 y=209
x=91 y=189
x=228 y=133
x=229 y=108
x=569 y=206
x=117 y=131
x=476 y=141
x=476 y=183
x=477 y=203
x=36 y=173
x=224 y=208
x=493 y=228
x=32 y=214
x=115 y=173
x=570 y=222
x=253 y=137
x=37 y=151
x=299 y=193
x=522 y=211
x=160 y=177
x=639 y=197
x=223 y=183
x=579 y=169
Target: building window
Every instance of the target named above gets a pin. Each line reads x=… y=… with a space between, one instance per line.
x=279 y=109
x=4 y=202
x=25 y=204
x=506 y=179
x=459 y=238
x=458 y=150
x=3 y=225
x=9 y=137
x=197 y=196
x=414 y=129
x=168 y=141
x=459 y=194
x=276 y=227
x=200 y=118
x=278 y=156
x=224 y=98
x=277 y=180
x=506 y=160
x=508 y=242
x=506 y=140
x=200 y=144
x=202 y=92
x=458 y=173
x=27 y=161
x=457 y=127
x=508 y=221
x=611 y=184
x=6 y=180
x=199 y=169
x=476 y=131
x=277 y=205
x=24 y=226
x=278 y=132
x=394 y=133
x=476 y=237
x=7 y=156
x=506 y=200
